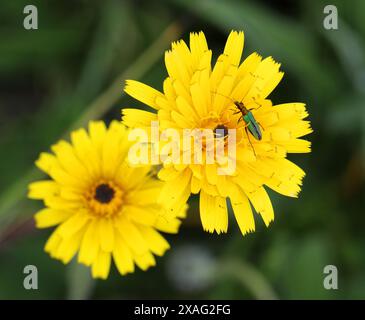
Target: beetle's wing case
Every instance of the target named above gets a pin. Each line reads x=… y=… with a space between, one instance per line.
x=253 y=126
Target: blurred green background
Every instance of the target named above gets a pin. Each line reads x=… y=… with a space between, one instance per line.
x=72 y=69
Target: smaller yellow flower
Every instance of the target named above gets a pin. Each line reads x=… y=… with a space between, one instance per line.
x=102 y=206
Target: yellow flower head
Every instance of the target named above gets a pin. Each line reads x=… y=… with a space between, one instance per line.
x=231 y=96
x=102 y=206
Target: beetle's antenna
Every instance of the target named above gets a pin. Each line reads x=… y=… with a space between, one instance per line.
x=223 y=95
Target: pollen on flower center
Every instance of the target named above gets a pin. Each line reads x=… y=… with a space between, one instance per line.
x=104 y=198
x=104 y=193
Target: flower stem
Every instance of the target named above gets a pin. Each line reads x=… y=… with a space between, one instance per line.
x=249 y=277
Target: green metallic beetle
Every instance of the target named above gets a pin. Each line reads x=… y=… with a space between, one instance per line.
x=252 y=125
x=248 y=118
x=246 y=115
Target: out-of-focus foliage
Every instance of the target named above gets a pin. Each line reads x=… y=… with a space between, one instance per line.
x=51 y=77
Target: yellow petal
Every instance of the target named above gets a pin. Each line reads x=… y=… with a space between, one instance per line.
x=183 y=55
x=71 y=194
x=101 y=266
x=213 y=213
x=106 y=234
x=157 y=244
x=138 y=118
x=271 y=84
x=64 y=178
x=90 y=244
x=42 y=189
x=286 y=188
x=221 y=98
x=73 y=224
x=195 y=185
x=97 y=130
x=130 y=177
x=144 y=197
x=297 y=146
x=198 y=46
x=131 y=235
x=262 y=204
x=181 y=120
x=199 y=97
x=211 y=173
x=297 y=128
x=176 y=68
x=234 y=47
x=46 y=162
x=290 y=110
x=68 y=247
x=245 y=74
x=167 y=174
x=68 y=160
x=266 y=76
x=209 y=188
x=168 y=225
x=242 y=211
x=58 y=203
x=110 y=153
x=224 y=185
x=85 y=151
x=221 y=215
x=143 y=93
x=175 y=189
x=169 y=93
x=122 y=256
x=145 y=261
x=186 y=110
x=52 y=243
x=277 y=134
x=142 y=215
x=50 y=217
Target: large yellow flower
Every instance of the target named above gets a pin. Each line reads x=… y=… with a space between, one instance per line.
x=195 y=95
x=103 y=207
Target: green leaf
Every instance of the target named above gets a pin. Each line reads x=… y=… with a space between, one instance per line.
x=301 y=277
x=350 y=48
x=347 y=114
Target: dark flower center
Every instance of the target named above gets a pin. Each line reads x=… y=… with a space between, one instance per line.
x=104 y=193
x=220 y=131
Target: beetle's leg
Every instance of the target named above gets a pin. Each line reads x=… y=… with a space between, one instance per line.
x=246 y=124
x=255 y=108
x=235 y=110
x=248 y=137
x=259 y=105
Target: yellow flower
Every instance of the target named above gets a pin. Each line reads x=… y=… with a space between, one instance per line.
x=195 y=95
x=102 y=206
